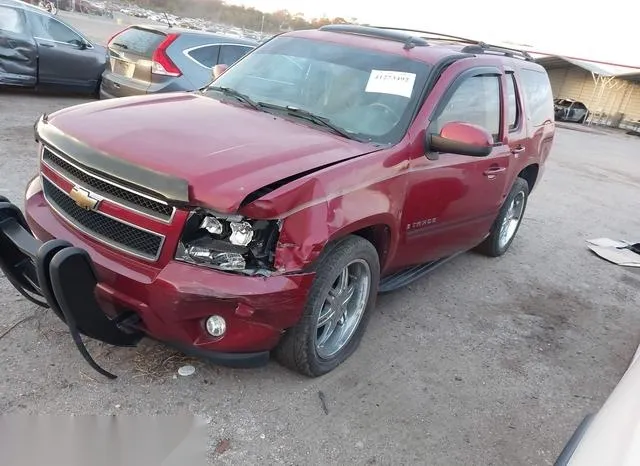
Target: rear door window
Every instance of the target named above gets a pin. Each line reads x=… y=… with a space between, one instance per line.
x=206 y=56
x=538 y=96
x=138 y=41
x=229 y=54
x=11 y=20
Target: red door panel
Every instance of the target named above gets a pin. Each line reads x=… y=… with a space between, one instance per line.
x=452 y=201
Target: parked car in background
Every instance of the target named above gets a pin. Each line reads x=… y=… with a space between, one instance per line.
x=570 y=110
x=39 y=49
x=149 y=59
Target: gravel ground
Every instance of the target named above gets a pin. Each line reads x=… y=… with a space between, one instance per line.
x=486 y=362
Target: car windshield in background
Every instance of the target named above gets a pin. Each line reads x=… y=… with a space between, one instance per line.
x=368 y=95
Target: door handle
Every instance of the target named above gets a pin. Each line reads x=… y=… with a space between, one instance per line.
x=517 y=149
x=493 y=171
x=45 y=44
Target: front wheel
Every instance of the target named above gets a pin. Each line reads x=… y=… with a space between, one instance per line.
x=337 y=309
x=508 y=222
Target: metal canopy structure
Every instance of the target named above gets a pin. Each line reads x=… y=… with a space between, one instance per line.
x=606 y=77
x=633 y=77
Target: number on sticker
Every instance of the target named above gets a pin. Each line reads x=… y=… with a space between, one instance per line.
x=391 y=82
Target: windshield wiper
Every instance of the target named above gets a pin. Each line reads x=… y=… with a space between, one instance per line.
x=122 y=46
x=309 y=116
x=238 y=95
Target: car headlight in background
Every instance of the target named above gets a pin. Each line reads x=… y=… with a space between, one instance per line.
x=230 y=243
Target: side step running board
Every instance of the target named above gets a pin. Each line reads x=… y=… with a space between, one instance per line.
x=404 y=277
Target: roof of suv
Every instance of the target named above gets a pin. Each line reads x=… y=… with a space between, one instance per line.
x=429 y=47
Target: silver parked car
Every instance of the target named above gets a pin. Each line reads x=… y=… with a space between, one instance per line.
x=570 y=110
x=38 y=49
x=147 y=59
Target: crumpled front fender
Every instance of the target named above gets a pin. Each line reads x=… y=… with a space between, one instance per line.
x=304 y=229
x=364 y=195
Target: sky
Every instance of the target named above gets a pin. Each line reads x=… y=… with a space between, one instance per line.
x=605 y=31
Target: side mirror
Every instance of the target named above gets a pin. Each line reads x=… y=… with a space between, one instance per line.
x=460 y=138
x=82 y=45
x=218 y=70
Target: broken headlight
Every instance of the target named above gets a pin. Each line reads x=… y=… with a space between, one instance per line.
x=230 y=243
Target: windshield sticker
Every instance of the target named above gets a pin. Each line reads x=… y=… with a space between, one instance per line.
x=391 y=82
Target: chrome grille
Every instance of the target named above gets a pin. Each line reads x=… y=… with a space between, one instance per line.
x=106 y=229
x=107 y=189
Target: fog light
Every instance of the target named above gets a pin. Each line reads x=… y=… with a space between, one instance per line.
x=216 y=326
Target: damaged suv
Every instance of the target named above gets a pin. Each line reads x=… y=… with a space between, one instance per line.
x=268 y=210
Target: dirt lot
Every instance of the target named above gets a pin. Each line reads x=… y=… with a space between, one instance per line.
x=486 y=362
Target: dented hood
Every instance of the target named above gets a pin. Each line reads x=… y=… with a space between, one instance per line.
x=221 y=151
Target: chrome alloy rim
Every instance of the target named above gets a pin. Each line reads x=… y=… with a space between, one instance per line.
x=342 y=308
x=511 y=220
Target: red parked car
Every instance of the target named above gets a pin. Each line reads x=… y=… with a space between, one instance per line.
x=268 y=210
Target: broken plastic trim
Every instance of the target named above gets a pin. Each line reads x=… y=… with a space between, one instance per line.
x=47 y=269
x=66 y=280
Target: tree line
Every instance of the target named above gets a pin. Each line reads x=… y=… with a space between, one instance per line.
x=236 y=15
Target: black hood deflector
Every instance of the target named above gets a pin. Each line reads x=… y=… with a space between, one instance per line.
x=171 y=189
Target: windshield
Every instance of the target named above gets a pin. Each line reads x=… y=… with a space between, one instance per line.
x=369 y=95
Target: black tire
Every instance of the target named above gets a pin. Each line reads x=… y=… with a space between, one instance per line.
x=491 y=246
x=297 y=349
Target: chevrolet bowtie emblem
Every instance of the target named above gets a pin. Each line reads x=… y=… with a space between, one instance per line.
x=83 y=198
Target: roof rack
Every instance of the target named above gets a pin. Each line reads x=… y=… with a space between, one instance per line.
x=432 y=35
x=475 y=47
x=402 y=35
x=496 y=49
x=410 y=41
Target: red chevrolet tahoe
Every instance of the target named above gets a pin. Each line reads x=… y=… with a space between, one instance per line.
x=266 y=211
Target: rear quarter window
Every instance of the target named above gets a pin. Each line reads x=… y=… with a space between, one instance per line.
x=142 y=42
x=538 y=96
x=205 y=55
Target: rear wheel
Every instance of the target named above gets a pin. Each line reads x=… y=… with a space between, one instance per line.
x=337 y=309
x=508 y=222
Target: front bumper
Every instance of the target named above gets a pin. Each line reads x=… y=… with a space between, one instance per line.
x=117 y=303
